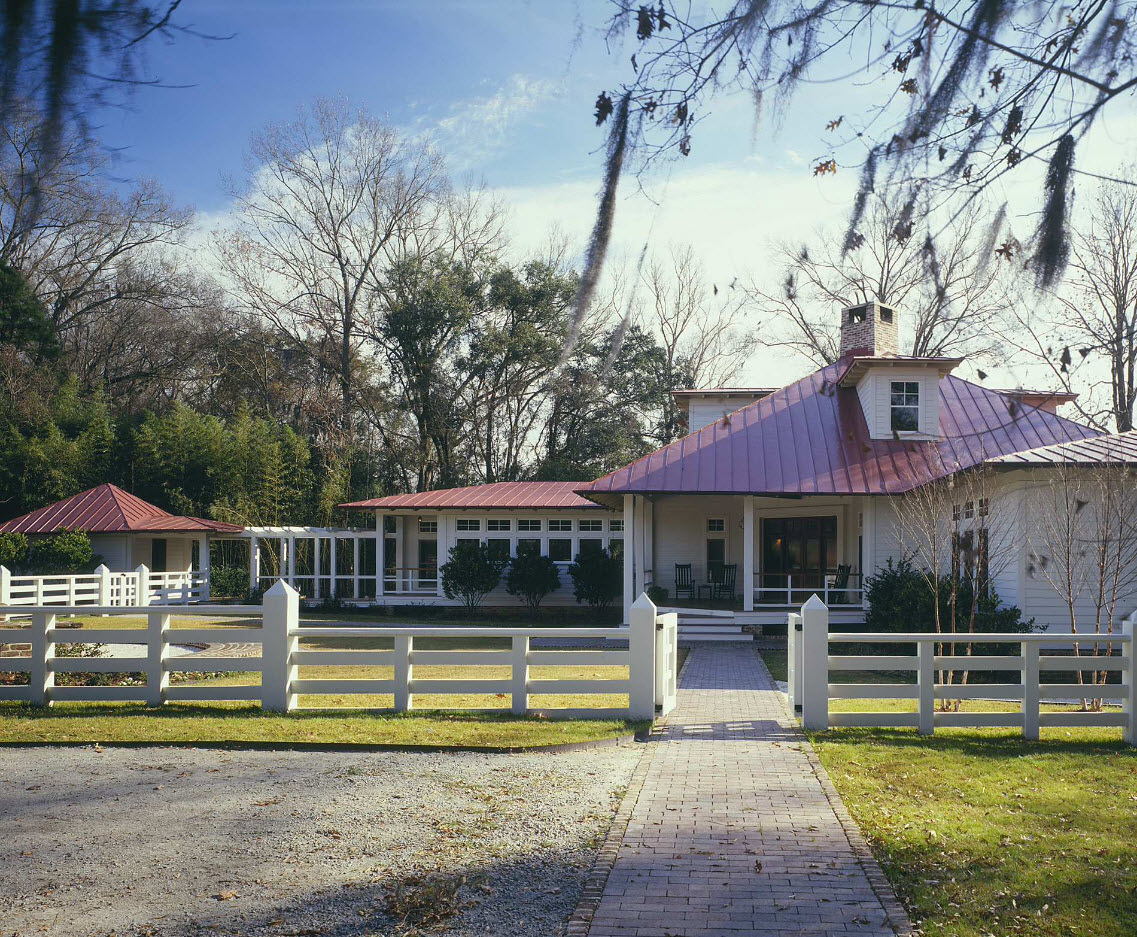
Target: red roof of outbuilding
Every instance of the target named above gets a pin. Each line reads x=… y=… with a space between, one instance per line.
x=811 y=438
x=534 y=495
x=108 y=509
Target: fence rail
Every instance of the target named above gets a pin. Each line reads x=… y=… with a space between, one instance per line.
x=647 y=647
x=104 y=588
x=811 y=664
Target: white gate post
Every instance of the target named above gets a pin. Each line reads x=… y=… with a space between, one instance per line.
x=793 y=660
x=641 y=658
x=41 y=676
x=5 y=589
x=157 y=653
x=519 y=691
x=1129 y=677
x=815 y=664
x=104 y=575
x=280 y=617
x=142 y=589
x=204 y=569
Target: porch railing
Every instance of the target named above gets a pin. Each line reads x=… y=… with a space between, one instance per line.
x=782 y=589
x=410 y=580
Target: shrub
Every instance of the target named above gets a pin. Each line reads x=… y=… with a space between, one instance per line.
x=13 y=551
x=471 y=573
x=597 y=577
x=228 y=581
x=658 y=594
x=532 y=576
x=900 y=600
x=65 y=551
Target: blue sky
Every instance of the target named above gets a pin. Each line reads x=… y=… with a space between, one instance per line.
x=506 y=87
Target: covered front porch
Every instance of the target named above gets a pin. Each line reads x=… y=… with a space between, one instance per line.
x=754 y=556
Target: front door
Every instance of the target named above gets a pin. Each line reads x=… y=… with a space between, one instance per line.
x=158 y=555
x=427 y=562
x=802 y=548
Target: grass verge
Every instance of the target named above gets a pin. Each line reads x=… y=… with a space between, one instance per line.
x=237 y=723
x=983 y=834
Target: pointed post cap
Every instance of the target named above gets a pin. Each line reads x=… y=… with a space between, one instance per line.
x=102 y=569
x=643 y=602
x=281 y=588
x=142 y=568
x=814 y=604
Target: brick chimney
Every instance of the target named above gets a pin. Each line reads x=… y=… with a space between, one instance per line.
x=869 y=329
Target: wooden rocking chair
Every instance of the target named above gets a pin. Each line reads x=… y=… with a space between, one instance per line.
x=837 y=593
x=723 y=587
x=683 y=583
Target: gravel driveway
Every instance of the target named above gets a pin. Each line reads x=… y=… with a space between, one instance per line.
x=168 y=841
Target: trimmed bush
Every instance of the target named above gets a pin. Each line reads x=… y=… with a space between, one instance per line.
x=532 y=576
x=65 y=551
x=228 y=582
x=597 y=577
x=471 y=573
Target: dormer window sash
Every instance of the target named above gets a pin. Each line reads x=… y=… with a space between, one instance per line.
x=904 y=406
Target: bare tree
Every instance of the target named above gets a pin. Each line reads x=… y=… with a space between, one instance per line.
x=1086 y=339
x=701 y=328
x=948 y=289
x=325 y=196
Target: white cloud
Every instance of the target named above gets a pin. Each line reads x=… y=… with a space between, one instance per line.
x=477 y=128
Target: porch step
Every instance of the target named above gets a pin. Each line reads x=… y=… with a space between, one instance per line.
x=698 y=624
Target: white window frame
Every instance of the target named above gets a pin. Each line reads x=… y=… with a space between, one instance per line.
x=560 y=528
x=493 y=525
x=906 y=405
x=594 y=526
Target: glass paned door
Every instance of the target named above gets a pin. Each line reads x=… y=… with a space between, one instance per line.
x=804 y=548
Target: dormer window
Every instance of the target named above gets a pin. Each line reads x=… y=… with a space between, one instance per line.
x=905 y=406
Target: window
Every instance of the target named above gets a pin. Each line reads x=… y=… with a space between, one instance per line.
x=616 y=546
x=560 y=550
x=498 y=549
x=590 y=525
x=388 y=524
x=466 y=523
x=563 y=526
x=968 y=510
x=497 y=524
x=616 y=526
x=427 y=525
x=905 y=404
x=529 y=524
x=716 y=525
x=956 y=512
x=528 y=544
x=591 y=543
x=984 y=507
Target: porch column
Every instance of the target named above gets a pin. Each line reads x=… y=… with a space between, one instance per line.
x=748 y=553
x=355 y=566
x=254 y=561
x=629 y=551
x=443 y=550
x=285 y=557
x=316 y=541
x=334 y=592
x=400 y=572
x=868 y=541
x=292 y=560
x=203 y=566
x=648 y=553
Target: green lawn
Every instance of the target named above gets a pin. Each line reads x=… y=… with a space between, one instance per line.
x=982 y=833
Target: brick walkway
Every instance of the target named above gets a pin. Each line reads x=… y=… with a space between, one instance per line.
x=736 y=830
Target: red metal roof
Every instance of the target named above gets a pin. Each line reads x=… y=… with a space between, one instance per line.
x=108 y=509
x=811 y=438
x=534 y=495
x=1119 y=449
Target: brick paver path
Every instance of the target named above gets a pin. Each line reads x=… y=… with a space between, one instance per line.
x=736 y=830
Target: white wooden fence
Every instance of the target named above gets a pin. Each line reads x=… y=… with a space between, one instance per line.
x=647 y=647
x=810 y=663
x=102 y=587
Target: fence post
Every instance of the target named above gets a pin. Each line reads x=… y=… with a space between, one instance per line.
x=404 y=673
x=280 y=618
x=641 y=658
x=815 y=664
x=5 y=590
x=793 y=659
x=519 y=693
x=926 y=686
x=142 y=585
x=1129 y=676
x=157 y=653
x=42 y=676
x=104 y=575
x=1030 y=679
